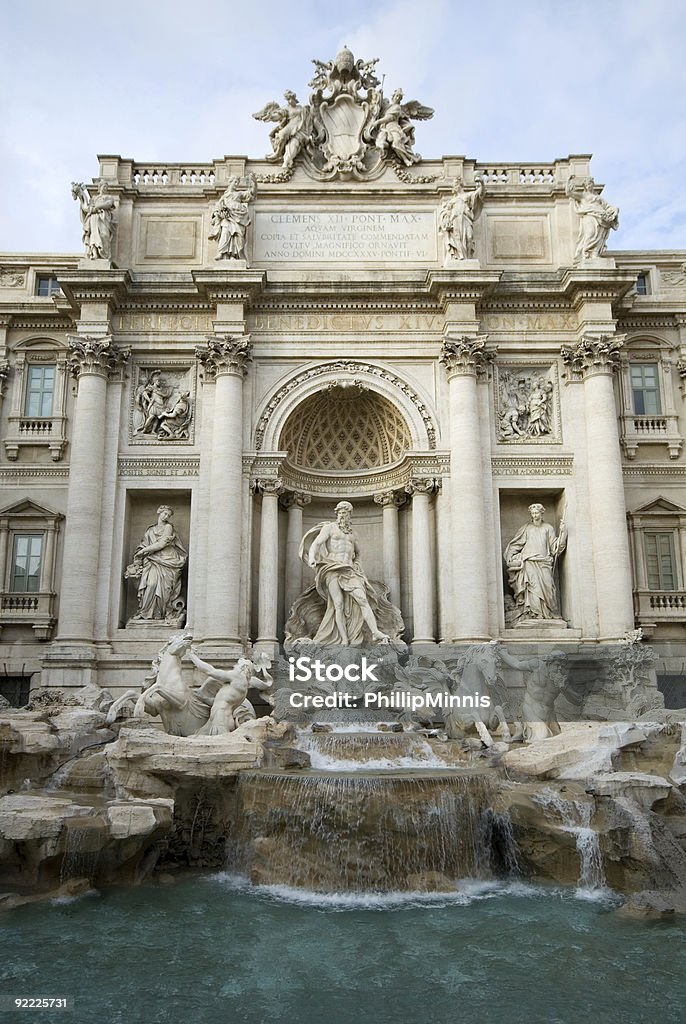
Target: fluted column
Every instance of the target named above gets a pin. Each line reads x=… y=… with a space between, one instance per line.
x=423 y=575
x=91 y=361
x=595 y=359
x=225 y=360
x=268 y=585
x=294 y=502
x=464 y=358
x=390 y=502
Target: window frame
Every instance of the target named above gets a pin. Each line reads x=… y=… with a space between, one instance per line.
x=33 y=535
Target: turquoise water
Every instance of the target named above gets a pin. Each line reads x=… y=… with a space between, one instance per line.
x=215 y=950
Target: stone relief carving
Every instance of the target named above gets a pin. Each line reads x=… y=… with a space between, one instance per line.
x=11 y=278
x=157 y=564
x=531 y=560
x=596 y=218
x=525 y=399
x=674 y=278
x=97 y=218
x=343 y=607
x=348 y=127
x=456 y=220
x=231 y=217
x=162 y=406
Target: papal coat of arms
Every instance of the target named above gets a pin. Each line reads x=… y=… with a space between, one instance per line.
x=348 y=128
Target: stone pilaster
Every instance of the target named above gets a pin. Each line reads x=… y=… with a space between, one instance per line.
x=423 y=573
x=268 y=584
x=464 y=359
x=224 y=360
x=390 y=502
x=594 y=360
x=91 y=361
x=294 y=502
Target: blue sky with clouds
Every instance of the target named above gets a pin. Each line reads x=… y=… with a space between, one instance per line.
x=178 y=81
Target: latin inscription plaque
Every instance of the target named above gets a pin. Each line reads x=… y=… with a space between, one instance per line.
x=345 y=236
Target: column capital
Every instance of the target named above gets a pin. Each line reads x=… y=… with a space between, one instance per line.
x=466 y=356
x=387 y=499
x=225 y=355
x=422 y=485
x=269 y=485
x=95 y=355
x=594 y=354
x=294 y=499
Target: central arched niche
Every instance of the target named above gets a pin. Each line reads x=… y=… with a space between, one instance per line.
x=346 y=427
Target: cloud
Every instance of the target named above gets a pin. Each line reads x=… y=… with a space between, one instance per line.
x=509 y=82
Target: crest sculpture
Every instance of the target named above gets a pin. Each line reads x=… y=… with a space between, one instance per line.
x=348 y=128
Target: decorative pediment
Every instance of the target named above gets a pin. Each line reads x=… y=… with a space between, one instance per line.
x=26 y=508
x=660 y=506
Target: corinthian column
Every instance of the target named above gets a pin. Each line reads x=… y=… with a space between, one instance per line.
x=294 y=502
x=91 y=361
x=268 y=586
x=595 y=359
x=225 y=360
x=464 y=358
x=423 y=576
x=390 y=502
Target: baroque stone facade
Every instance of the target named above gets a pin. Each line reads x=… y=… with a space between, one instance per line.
x=443 y=342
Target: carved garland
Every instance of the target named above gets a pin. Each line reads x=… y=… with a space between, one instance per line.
x=338 y=367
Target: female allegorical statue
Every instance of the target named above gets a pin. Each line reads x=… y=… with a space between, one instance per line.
x=157 y=565
x=530 y=558
x=97 y=217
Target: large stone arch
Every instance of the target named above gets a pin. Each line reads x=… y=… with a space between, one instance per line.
x=299 y=385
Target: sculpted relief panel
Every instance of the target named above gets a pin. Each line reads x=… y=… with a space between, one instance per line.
x=527 y=403
x=162 y=405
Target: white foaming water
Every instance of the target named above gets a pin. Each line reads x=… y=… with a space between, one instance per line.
x=467 y=891
x=576 y=818
x=376 y=751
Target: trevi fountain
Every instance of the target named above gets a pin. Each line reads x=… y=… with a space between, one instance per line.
x=320 y=726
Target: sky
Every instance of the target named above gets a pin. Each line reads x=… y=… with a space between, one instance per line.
x=510 y=80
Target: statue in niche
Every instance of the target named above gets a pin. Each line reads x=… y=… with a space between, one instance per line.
x=231 y=217
x=217 y=707
x=162 y=410
x=525 y=406
x=531 y=559
x=293 y=131
x=456 y=219
x=157 y=564
x=343 y=607
x=392 y=128
x=97 y=217
x=596 y=218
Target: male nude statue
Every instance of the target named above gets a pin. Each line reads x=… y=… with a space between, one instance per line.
x=339 y=580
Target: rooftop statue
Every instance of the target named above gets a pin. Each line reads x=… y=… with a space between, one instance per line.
x=97 y=217
x=348 y=128
x=231 y=217
x=596 y=218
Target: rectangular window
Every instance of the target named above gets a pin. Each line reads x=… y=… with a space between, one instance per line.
x=645 y=389
x=660 y=561
x=40 y=388
x=642 y=284
x=26 y=563
x=46 y=285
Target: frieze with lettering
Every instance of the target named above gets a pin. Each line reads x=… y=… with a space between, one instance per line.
x=343 y=322
x=139 y=323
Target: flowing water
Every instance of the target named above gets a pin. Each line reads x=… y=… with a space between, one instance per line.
x=575 y=816
x=216 y=950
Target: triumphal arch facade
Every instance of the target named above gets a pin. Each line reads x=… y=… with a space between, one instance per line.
x=446 y=344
